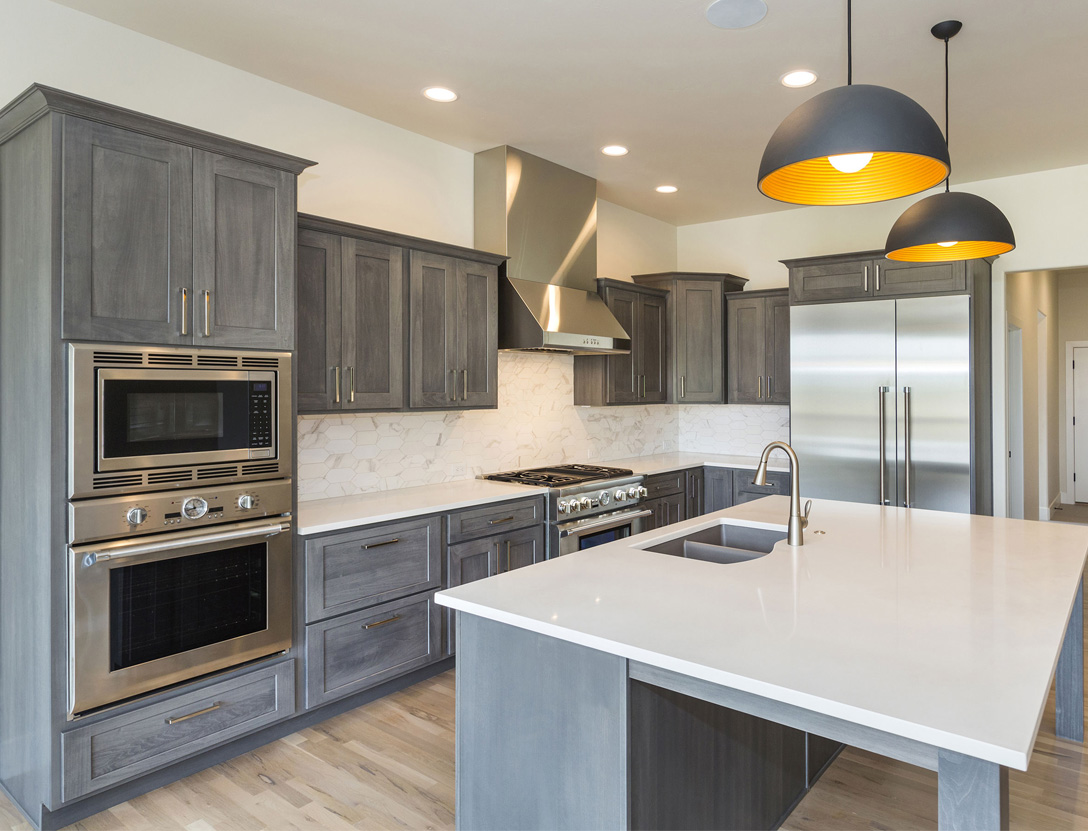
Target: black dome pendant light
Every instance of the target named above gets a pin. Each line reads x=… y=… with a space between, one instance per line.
x=949 y=226
x=854 y=144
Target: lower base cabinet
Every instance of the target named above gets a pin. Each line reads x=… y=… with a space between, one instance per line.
x=717 y=488
x=666 y=510
x=122 y=747
x=352 y=652
x=745 y=491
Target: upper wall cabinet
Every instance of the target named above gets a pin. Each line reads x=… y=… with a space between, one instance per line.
x=758 y=323
x=866 y=275
x=389 y=322
x=171 y=235
x=695 y=346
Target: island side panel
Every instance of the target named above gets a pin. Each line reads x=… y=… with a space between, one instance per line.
x=1069 y=681
x=541 y=731
x=972 y=794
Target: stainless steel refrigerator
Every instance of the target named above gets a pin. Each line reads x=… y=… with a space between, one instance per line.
x=880 y=407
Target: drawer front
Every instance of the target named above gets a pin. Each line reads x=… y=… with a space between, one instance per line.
x=665 y=484
x=745 y=491
x=356 y=651
x=352 y=571
x=853 y=280
x=131 y=744
x=496 y=519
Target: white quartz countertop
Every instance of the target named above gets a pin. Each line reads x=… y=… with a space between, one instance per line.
x=321 y=515
x=941 y=627
x=664 y=462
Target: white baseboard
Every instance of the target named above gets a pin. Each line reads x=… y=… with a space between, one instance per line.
x=1046 y=512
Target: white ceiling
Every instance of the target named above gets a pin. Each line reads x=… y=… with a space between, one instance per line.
x=695 y=104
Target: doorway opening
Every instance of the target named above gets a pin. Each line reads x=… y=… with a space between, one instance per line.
x=1015 y=385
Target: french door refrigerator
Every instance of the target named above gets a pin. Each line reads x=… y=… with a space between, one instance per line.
x=880 y=407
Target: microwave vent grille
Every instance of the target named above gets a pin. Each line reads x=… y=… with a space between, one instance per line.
x=217 y=472
x=117 y=481
x=262 y=467
x=118 y=358
x=216 y=360
x=260 y=363
x=163 y=359
x=170 y=476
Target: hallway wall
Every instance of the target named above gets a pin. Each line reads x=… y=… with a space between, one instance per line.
x=1072 y=326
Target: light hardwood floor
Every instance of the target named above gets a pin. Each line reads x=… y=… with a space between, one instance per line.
x=389 y=764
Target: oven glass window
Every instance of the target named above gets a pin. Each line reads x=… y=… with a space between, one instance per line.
x=601 y=537
x=150 y=418
x=170 y=606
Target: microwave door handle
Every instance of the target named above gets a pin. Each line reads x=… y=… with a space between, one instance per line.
x=92 y=554
x=606 y=523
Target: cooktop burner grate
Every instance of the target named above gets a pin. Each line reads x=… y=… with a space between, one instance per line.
x=559 y=476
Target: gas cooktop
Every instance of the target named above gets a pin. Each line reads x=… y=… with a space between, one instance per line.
x=559 y=476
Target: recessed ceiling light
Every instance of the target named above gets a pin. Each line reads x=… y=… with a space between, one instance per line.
x=666 y=188
x=798 y=78
x=440 y=94
x=736 y=14
x=614 y=150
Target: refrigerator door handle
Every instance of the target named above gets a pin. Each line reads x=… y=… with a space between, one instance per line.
x=906 y=445
x=882 y=392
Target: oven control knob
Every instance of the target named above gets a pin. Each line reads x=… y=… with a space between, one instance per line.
x=605 y=497
x=585 y=503
x=563 y=506
x=194 y=507
x=632 y=493
x=620 y=495
x=136 y=516
x=246 y=502
x=642 y=491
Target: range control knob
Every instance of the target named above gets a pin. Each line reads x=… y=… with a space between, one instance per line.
x=642 y=491
x=632 y=493
x=194 y=507
x=136 y=516
x=246 y=502
x=605 y=497
x=585 y=503
x=563 y=506
x=620 y=495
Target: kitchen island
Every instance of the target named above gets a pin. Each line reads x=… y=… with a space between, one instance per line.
x=619 y=687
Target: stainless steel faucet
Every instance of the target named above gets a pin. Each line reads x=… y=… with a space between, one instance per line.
x=798 y=521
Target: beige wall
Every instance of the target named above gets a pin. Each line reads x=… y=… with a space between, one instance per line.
x=632 y=243
x=1072 y=326
x=1027 y=295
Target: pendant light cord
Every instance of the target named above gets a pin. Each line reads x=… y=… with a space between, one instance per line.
x=850 y=46
x=946 y=142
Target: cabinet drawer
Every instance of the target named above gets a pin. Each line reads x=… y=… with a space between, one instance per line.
x=664 y=484
x=131 y=744
x=352 y=652
x=351 y=571
x=851 y=280
x=494 y=519
x=745 y=491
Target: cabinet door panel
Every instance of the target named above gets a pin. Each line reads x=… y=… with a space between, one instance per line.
x=695 y=501
x=468 y=562
x=718 y=483
x=521 y=548
x=675 y=508
x=128 y=235
x=622 y=369
x=432 y=322
x=478 y=335
x=700 y=376
x=746 y=334
x=777 y=362
x=244 y=243
x=900 y=279
x=319 y=336
x=651 y=362
x=832 y=281
x=373 y=325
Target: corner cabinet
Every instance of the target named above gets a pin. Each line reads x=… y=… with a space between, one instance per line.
x=170 y=242
x=389 y=322
x=758 y=327
x=640 y=377
x=695 y=346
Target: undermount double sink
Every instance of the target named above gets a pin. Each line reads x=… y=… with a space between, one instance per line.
x=722 y=543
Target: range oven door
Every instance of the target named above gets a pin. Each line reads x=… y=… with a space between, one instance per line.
x=153 y=612
x=580 y=534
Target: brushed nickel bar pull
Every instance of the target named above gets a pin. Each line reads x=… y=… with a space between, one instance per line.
x=498 y=521
x=207 y=313
x=380 y=544
x=177 y=719
x=683 y=392
x=881 y=393
x=508 y=555
x=906 y=443
x=351 y=385
x=184 y=310
x=381 y=622
x=877 y=267
x=770 y=386
x=336 y=392
x=759 y=387
x=866 y=287
x=453 y=386
x=464 y=395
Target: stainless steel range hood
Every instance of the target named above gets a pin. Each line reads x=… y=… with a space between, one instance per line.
x=544 y=218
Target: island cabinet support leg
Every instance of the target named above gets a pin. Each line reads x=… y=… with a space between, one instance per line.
x=541 y=731
x=1069 y=681
x=972 y=794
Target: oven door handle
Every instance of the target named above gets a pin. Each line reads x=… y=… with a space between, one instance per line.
x=606 y=523
x=92 y=554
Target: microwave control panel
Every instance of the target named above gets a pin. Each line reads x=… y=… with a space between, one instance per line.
x=152 y=513
x=261 y=414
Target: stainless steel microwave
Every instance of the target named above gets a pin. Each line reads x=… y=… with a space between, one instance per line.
x=155 y=418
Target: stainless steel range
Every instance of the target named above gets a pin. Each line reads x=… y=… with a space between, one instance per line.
x=588 y=505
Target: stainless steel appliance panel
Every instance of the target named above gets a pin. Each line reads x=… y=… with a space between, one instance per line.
x=576 y=534
x=933 y=390
x=841 y=357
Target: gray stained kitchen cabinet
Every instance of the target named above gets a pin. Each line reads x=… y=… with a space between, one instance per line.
x=868 y=274
x=165 y=242
x=695 y=346
x=350 y=323
x=758 y=327
x=641 y=377
x=694 y=483
x=666 y=510
x=778 y=482
x=717 y=488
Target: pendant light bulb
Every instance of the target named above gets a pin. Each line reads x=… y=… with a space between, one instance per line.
x=850 y=162
x=948 y=244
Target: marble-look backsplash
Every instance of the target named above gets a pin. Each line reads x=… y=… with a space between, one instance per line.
x=738 y=429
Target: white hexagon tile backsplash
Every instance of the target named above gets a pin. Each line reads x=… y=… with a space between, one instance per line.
x=535 y=424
